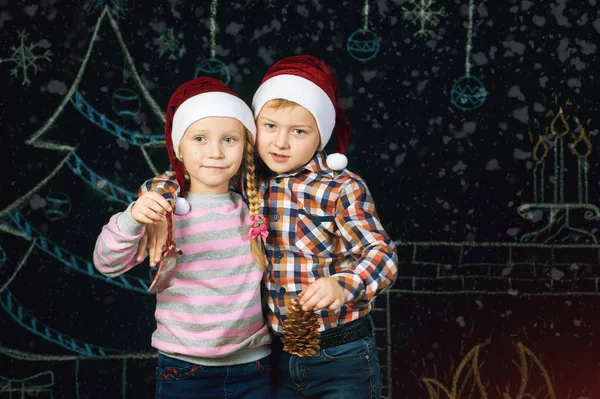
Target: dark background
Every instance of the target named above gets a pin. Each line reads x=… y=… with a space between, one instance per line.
x=437 y=173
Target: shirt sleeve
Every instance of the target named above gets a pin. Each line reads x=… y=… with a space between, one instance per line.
x=117 y=244
x=374 y=265
x=165 y=185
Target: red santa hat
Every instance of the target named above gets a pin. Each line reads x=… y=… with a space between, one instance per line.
x=199 y=98
x=308 y=82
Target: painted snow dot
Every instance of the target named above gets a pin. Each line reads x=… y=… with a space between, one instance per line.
x=363 y=45
x=468 y=93
x=58 y=206
x=213 y=68
x=126 y=103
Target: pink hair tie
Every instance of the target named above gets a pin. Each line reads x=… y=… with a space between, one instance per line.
x=258 y=227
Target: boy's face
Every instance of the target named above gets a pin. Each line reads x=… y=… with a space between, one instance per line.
x=287 y=137
x=212 y=150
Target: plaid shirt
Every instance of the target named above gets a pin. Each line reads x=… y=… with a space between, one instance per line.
x=321 y=223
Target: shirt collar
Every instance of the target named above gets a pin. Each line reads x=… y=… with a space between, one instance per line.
x=316 y=165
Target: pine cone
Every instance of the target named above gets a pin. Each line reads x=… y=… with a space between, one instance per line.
x=300 y=331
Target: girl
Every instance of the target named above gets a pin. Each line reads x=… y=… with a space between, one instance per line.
x=211 y=335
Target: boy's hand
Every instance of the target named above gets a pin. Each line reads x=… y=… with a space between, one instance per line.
x=326 y=292
x=150 y=208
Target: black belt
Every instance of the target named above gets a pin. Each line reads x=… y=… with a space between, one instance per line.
x=346 y=333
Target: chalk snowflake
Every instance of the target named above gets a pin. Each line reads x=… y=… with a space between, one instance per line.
x=24 y=57
x=422 y=15
x=171 y=43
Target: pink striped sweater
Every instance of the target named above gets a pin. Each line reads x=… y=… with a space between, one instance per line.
x=212 y=315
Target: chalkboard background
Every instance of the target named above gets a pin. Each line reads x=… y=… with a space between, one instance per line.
x=489 y=189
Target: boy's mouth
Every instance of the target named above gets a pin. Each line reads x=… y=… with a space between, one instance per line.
x=278 y=157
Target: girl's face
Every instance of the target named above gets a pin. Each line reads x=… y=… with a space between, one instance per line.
x=212 y=150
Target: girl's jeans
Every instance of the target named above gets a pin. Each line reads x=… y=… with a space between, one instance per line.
x=177 y=379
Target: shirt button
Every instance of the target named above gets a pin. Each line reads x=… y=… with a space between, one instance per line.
x=279 y=254
x=282 y=290
x=276 y=217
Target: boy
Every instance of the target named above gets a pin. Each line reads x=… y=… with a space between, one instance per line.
x=325 y=246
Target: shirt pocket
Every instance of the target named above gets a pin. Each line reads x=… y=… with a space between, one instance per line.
x=315 y=234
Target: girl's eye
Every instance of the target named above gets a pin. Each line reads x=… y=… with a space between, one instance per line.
x=200 y=139
x=298 y=131
x=269 y=126
x=229 y=139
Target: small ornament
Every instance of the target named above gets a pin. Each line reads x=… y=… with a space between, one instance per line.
x=363 y=45
x=468 y=93
x=337 y=161
x=58 y=206
x=214 y=68
x=168 y=261
x=258 y=227
x=301 y=335
x=126 y=103
x=182 y=207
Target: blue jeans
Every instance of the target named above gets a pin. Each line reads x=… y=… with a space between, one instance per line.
x=347 y=371
x=176 y=379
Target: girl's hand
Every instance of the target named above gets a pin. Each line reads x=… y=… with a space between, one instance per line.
x=142 y=246
x=157 y=238
x=150 y=208
x=154 y=238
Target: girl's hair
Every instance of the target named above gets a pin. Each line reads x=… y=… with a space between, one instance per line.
x=251 y=188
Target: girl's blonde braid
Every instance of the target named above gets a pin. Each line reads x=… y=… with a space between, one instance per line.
x=253 y=199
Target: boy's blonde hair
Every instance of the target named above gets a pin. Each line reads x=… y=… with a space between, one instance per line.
x=279 y=103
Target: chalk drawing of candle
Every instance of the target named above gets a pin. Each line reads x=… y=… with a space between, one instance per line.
x=559 y=158
x=582 y=148
x=540 y=152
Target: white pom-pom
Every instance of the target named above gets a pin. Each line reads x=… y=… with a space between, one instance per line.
x=181 y=206
x=337 y=161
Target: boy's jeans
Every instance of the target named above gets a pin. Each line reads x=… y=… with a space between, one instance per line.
x=176 y=379
x=347 y=371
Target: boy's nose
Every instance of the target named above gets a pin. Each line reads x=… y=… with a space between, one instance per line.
x=281 y=141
